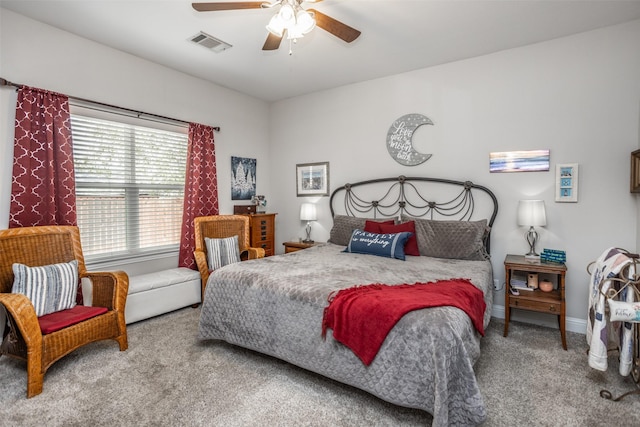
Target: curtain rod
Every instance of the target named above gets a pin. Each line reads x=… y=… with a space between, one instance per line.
x=5 y=82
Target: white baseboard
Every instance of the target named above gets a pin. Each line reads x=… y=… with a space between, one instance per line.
x=572 y=324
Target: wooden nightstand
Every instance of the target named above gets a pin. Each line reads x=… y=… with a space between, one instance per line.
x=544 y=302
x=296 y=246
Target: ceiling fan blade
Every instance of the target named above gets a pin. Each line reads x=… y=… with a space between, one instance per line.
x=272 y=42
x=335 y=27
x=212 y=7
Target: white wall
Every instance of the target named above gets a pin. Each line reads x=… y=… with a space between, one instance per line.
x=38 y=55
x=578 y=96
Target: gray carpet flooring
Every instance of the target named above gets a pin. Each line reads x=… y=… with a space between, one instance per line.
x=168 y=378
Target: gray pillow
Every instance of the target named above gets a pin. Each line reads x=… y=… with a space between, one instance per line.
x=451 y=239
x=221 y=252
x=344 y=225
x=50 y=288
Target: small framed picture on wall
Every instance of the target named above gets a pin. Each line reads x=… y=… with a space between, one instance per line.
x=312 y=179
x=567 y=182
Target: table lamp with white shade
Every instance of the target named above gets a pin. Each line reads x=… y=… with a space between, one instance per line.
x=308 y=213
x=531 y=213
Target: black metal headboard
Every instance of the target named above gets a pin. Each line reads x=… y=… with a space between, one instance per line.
x=407 y=195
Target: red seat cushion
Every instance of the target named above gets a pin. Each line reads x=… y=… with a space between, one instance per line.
x=62 y=319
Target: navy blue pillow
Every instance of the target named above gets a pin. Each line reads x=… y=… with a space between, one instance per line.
x=386 y=245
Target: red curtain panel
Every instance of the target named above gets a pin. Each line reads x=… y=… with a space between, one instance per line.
x=201 y=188
x=43 y=184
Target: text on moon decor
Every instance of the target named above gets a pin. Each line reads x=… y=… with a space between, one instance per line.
x=400 y=139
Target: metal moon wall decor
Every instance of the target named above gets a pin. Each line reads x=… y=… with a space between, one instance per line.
x=399 y=139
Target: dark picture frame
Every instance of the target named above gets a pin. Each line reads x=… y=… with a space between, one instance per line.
x=635 y=172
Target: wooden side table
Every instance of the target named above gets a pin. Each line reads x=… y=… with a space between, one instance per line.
x=263 y=231
x=296 y=246
x=544 y=302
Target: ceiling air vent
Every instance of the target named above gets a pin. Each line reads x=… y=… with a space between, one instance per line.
x=210 y=42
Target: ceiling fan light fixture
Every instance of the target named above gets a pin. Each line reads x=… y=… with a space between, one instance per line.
x=287 y=15
x=294 y=33
x=305 y=22
x=291 y=17
x=276 y=25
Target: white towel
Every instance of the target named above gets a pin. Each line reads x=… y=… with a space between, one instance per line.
x=626 y=340
x=608 y=265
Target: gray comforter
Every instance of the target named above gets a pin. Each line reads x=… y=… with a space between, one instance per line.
x=275 y=306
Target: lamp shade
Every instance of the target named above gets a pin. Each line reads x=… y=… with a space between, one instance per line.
x=308 y=212
x=276 y=26
x=531 y=213
x=287 y=15
x=305 y=21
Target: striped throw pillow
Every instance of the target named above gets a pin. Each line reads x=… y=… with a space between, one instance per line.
x=221 y=252
x=50 y=288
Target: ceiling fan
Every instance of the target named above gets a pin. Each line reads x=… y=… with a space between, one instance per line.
x=291 y=19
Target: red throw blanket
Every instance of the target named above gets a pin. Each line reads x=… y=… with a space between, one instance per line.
x=362 y=316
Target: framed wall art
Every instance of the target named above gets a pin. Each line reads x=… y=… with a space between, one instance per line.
x=635 y=171
x=519 y=161
x=243 y=178
x=312 y=179
x=567 y=182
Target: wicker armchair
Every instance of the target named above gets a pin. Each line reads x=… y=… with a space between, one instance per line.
x=22 y=337
x=221 y=226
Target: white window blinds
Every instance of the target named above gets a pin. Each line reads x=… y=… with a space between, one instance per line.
x=129 y=186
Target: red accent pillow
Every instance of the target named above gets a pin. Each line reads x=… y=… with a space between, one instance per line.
x=64 y=318
x=374 y=226
x=411 y=247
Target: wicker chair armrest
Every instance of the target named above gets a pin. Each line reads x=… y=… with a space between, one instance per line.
x=255 y=253
x=19 y=307
x=201 y=262
x=110 y=289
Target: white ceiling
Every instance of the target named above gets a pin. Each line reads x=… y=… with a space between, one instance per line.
x=397 y=36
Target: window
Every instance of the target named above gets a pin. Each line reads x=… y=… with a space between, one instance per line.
x=129 y=184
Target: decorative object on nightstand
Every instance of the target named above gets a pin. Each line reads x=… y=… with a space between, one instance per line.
x=546 y=286
x=519 y=281
x=553 y=255
x=260 y=203
x=541 y=300
x=531 y=213
x=308 y=213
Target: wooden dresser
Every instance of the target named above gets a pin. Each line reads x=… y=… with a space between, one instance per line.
x=263 y=232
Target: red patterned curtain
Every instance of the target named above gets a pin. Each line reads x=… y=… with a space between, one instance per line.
x=43 y=185
x=201 y=188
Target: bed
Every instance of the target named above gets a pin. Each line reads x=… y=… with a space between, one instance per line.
x=275 y=305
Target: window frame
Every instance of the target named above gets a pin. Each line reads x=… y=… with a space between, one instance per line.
x=133 y=251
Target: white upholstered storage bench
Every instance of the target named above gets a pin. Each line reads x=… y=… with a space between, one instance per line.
x=161 y=292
